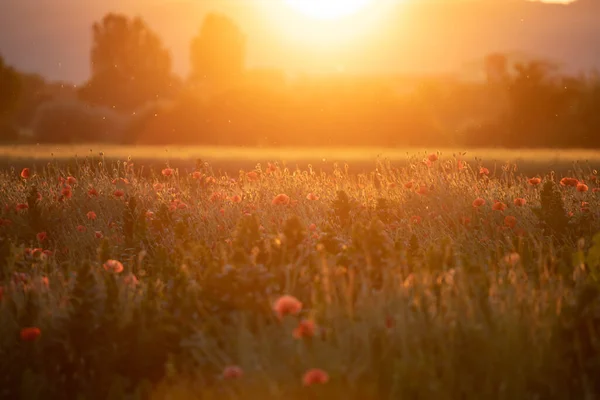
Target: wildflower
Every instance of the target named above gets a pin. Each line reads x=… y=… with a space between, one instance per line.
x=21 y=206
x=216 y=196
x=149 y=214
x=433 y=157
x=25 y=173
x=158 y=187
x=118 y=193
x=478 y=202
x=167 y=172
x=92 y=192
x=520 y=202
x=305 y=329
x=196 y=175
x=534 y=181
x=512 y=258
x=98 y=234
x=233 y=372
x=484 y=171
x=91 y=215
x=423 y=190
x=81 y=228
x=281 y=199
x=582 y=187
x=311 y=196
x=113 y=266
x=271 y=168
x=252 y=176
x=236 y=199
x=510 y=221
x=71 y=180
x=30 y=334
x=499 y=206
x=409 y=185
x=595 y=190
x=287 y=305
x=315 y=376
x=130 y=280
x=312 y=227
x=569 y=182
x=67 y=192
x=41 y=236
x=460 y=165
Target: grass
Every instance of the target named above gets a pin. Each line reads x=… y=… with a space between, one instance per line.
x=414 y=290
x=231 y=159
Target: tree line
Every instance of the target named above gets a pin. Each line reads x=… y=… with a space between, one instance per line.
x=133 y=97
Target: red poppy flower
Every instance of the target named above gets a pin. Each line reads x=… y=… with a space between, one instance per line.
x=287 y=305
x=478 y=202
x=281 y=199
x=30 y=334
x=233 y=372
x=315 y=376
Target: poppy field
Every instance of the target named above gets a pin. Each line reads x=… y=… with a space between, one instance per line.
x=440 y=278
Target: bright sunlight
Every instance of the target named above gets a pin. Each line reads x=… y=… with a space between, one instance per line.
x=328 y=9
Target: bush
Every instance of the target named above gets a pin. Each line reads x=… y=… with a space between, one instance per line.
x=76 y=122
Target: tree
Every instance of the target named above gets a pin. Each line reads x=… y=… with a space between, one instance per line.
x=496 y=68
x=129 y=65
x=10 y=89
x=11 y=86
x=218 y=52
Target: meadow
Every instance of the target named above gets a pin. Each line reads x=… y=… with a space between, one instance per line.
x=423 y=275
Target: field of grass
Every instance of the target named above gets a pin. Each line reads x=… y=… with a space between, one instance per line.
x=231 y=159
x=436 y=278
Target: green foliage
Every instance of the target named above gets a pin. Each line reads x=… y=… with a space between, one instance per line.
x=593 y=258
x=552 y=211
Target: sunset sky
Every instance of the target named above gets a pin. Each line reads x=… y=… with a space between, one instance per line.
x=352 y=36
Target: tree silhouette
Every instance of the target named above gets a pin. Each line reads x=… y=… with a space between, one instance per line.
x=533 y=99
x=129 y=65
x=218 y=52
x=10 y=89
x=11 y=85
x=496 y=68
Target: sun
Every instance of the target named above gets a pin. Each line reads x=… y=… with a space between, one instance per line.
x=328 y=9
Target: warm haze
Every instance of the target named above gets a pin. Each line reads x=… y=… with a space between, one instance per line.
x=383 y=36
x=299 y=199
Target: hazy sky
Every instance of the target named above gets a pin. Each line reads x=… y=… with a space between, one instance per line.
x=54 y=36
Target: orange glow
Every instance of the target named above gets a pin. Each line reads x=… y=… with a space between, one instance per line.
x=328 y=9
x=327 y=24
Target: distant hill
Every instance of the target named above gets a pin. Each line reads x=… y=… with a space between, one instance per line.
x=52 y=37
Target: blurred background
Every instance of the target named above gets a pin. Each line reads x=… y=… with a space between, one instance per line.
x=268 y=73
